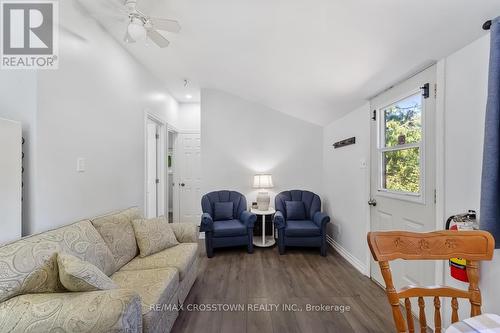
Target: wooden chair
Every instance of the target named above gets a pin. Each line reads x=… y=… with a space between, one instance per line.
x=440 y=245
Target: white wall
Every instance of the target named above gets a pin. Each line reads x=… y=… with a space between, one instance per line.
x=240 y=138
x=189 y=117
x=92 y=107
x=465 y=104
x=346 y=183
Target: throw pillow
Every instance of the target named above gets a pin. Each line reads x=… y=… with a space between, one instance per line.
x=78 y=275
x=295 y=210
x=223 y=211
x=153 y=235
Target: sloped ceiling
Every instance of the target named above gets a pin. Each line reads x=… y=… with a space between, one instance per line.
x=312 y=59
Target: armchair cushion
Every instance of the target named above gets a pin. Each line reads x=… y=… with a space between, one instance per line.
x=229 y=228
x=302 y=228
x=223 y=211
x=295 y=210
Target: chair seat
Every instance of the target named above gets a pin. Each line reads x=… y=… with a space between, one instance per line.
x=301 y=228
x=229 y=228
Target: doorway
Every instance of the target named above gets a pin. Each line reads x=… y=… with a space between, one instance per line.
x=154 y=166
x=403 y=170
x=403 y=178
x=189 y=176
x=172 y=195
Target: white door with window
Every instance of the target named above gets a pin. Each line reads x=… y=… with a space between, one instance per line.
x=189 y=169
x=403 y=169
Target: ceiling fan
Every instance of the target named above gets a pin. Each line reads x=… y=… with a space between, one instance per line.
x=142 y=26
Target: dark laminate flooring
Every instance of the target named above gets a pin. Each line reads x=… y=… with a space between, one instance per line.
x=266 y=279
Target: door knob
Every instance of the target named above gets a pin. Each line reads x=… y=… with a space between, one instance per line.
x=372 y=202
x=182 y=184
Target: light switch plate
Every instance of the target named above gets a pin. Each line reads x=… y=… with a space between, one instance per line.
x=362 y=164
x=80 y=164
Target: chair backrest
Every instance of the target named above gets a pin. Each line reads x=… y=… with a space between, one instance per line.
x=239 y=202
x=311 y=201
x=439 y=245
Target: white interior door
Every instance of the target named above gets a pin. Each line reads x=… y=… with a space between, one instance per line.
x=152 y=179
x=403 y=170
x=189 y=170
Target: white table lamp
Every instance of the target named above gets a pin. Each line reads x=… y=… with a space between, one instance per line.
x=263 y=182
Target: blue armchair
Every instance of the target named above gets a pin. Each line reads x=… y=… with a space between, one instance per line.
x=226 y=221
x=299 y=220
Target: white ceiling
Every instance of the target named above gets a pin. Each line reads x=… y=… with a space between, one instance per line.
x=312 y=59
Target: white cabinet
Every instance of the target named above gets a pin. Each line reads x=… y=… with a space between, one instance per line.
x=10 y=180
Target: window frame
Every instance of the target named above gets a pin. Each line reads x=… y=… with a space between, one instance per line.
x=381 y=149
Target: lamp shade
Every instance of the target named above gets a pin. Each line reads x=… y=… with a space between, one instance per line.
x=263 y=181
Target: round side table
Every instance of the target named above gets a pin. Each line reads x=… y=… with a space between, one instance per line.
x=264 y=241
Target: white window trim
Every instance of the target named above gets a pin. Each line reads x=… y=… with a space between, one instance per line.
x=407 y=196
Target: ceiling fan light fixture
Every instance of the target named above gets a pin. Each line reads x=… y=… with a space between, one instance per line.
x=136 y=29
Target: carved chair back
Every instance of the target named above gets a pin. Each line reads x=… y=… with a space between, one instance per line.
x=439 y=245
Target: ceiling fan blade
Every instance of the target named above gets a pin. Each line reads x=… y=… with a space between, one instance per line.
x=165 y=24
x=157 y=38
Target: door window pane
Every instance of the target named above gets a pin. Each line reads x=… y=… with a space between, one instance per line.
x=401 y=170
x=403 y=121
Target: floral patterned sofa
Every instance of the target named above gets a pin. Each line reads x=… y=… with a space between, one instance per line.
x=32 y=298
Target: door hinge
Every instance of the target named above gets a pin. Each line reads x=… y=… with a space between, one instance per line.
x=425 y=90
x=435 y=90
x=157 y=181
x=435 y=196
x=374 y=117
x=157 y=136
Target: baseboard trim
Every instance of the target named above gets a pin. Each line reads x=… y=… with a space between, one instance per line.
x=360 y=266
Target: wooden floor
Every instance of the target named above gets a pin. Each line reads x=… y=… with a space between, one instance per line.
x=298 y=278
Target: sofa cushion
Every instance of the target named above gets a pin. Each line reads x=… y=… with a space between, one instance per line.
x=29 y=265
x=118 y=233
x=186 y=232
x=78 y=275
x=229 y=228
x=302 y=228
x=295 y=210
x=153 y=235
x=117 y=310
x=156 y=287
x=180 y=256
x=223 y=211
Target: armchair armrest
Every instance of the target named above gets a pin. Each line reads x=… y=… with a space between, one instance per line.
x=207 y=223
x=186 y=232
x=117 y=310
x=279 y=220
x=248 y=219
x=321 y=219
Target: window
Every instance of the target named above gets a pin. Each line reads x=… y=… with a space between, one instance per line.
x=400 y=147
